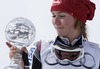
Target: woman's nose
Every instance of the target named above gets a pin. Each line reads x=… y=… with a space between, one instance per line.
x=57 y=21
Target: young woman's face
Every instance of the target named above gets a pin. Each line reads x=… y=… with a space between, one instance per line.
x=63 y=23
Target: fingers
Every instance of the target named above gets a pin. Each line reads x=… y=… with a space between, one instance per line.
x=8 y=44
x=12 y=51
x=11 y=54
x=25 y=50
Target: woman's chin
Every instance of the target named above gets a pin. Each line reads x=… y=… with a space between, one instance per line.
x=59 y=34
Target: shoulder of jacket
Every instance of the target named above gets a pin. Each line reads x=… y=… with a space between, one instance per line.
x=43 y=43
x=93 y=45
x=47 y=42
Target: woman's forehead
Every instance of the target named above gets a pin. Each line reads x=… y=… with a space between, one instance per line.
x=59 y=12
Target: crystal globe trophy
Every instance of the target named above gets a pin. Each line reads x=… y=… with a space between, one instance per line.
x=20 y=32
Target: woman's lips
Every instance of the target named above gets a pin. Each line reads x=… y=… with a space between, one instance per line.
x=59 y=27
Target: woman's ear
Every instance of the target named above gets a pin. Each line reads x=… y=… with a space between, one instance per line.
x=75 y=19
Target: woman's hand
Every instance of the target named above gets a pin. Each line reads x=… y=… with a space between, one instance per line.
x=14 y=50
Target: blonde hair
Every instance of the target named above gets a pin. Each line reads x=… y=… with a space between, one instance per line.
x=81 y=28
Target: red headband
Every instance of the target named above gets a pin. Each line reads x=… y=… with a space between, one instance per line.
x=83 y=10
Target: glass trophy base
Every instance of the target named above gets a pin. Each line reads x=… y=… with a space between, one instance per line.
x=12 y=67
x=16 y=67
x=26 y=67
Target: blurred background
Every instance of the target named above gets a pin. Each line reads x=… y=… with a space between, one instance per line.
x=38 y=11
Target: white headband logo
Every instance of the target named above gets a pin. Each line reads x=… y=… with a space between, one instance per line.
x=56 y=2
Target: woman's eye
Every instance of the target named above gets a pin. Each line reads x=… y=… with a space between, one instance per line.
x=62 y=15
x=53 y=16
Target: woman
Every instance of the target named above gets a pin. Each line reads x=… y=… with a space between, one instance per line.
x=70 y=49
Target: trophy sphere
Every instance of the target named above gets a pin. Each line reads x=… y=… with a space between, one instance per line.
x=20 y=31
